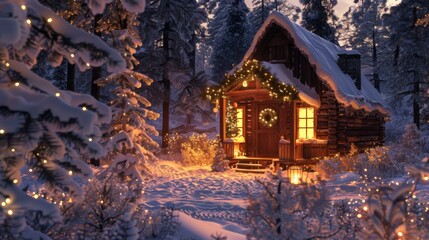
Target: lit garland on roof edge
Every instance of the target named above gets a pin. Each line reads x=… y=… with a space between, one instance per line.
x=251 y=70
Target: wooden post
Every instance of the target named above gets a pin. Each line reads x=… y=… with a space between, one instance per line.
x=293 y=131
x=222 y=119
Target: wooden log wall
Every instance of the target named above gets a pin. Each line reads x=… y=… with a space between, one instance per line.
x=364 y=129
x=343 y=126
x=327 y=120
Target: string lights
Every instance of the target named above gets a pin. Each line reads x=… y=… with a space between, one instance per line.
x=251 y=70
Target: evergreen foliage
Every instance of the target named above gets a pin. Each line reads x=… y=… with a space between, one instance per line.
x=262 y=8
x=318 y=17
x=408 y=55
x=229 y=33
x=219 y=162
x=363 y=31
x=124 y=229
x=171 y=28
x=128 y=136
x=42 y=129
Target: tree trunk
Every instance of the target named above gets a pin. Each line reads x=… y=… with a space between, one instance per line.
x=192 y=54
x=374 y=62
x=70 y=76
x=166 y=85
x=96 y=71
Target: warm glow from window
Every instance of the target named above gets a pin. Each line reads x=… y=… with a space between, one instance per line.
x=306 y=123
x=240 y=125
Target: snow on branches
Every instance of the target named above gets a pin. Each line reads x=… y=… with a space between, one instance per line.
x=43 y=130
x=129 y=134
x=98 y=6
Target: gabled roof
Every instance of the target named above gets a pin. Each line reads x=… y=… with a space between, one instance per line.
x=324 y=55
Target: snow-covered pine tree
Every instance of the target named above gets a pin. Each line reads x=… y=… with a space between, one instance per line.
x=362 y=30
x=77 y=13
x=124 y=229
x=43 y=130
x=262 y=8
x=409 y=56
x=219 y=164
x=318 y=17
x=129 y=134
x=229 y=36
x=191 y=101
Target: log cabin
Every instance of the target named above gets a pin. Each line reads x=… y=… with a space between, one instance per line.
x=296 y=97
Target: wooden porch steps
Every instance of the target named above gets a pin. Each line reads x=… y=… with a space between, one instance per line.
x=252 y=164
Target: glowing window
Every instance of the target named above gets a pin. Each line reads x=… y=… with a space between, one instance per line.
x=306 y=123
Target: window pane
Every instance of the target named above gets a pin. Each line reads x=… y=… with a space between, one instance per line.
x=301 y=123
x=302 y=133
x=310 y=123
x=240 y=123
x=310 y=132
x=239 y=113
x=310 y=112
x=302 y=113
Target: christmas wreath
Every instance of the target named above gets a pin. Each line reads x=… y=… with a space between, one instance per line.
x=268 y=117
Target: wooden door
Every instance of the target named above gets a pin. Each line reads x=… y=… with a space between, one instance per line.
x=266 y=137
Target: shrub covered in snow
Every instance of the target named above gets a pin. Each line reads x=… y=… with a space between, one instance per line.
x=287 y=211
x=106 y=204
x=219 y=162
x=387 y=161
x=198 y=149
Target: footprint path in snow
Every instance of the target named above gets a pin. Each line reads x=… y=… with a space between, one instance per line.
x=199 y=192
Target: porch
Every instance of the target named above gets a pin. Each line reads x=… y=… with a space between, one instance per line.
x=306 y=154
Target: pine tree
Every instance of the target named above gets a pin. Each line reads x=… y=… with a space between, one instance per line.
x=191 y=101
x=231 y=121
x=229 y=36
x=44 y=130
x=363 y=31
x=124 y=229
x=318 y=17
x=129 y=134
x=408 y=55
x=262 y=8
x=170 y=27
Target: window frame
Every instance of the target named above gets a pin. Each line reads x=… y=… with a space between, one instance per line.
x=306 y=123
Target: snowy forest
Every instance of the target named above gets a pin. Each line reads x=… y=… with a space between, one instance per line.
x=110 y=127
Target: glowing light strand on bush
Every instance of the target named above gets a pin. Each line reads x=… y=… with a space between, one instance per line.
x=253 y=69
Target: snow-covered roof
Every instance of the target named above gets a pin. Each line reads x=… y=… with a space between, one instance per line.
x=285 y=75
x=324 y=55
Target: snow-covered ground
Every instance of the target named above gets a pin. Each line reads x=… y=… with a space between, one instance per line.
x=211 y=203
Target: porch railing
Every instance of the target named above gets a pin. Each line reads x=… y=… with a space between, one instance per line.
x=304 y=150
